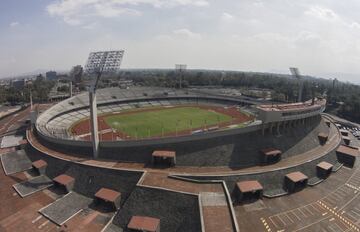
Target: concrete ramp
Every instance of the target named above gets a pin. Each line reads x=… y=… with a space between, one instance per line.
x=65 y=208
x=15 y=162
x=213 y=199
x=11 y=141
x=112 y=228
x=34 y=185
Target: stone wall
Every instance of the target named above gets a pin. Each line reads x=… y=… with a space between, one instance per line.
x=89 y=179
x=181 y=214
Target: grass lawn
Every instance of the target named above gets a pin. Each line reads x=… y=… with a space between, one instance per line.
x=142 y=124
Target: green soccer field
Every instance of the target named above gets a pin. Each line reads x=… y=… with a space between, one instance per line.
x=166 y=120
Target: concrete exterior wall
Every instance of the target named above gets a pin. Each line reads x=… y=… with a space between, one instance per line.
x=277 y=116
x=235 y=148
x=293 y=112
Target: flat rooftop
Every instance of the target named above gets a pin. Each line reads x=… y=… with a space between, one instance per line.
x=144 y=223
x=348 y=150
x=296 y=176
x=249 y=186
x=39 y=164
x=325 y=165
x=63 y=179
x=165 y=154
x=107 y=194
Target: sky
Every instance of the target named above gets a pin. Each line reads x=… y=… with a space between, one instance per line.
x=320 y=37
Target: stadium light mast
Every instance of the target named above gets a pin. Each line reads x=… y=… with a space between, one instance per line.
x=70 y=88
x=34 y=111
x=98 y=63
x=31 y=101
x=296 y=74
x=180 y=68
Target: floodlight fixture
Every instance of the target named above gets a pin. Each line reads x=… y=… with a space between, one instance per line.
x=296 y=74
x=180 y=67
x=104 y=61
x=98 y=63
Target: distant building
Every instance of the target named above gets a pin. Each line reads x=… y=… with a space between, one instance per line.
x=51 y=75
x=18 y=84
x=39 y=77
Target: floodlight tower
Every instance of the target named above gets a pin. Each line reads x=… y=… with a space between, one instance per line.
x=70 y=88
x=334 y=83
x=31 y=101
x=180 y=68
x=33 y=112
x=97 y=64
x=314 y=87
x=296 y=74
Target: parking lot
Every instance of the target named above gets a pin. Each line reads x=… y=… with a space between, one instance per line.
x=333 y=206
x=354 y=130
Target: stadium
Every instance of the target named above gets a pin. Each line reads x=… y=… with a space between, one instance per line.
x=139 y=121
x=146 y=113
x=155 y=117
x=203 y=154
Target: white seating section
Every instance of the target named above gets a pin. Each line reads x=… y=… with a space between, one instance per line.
x=56 y=121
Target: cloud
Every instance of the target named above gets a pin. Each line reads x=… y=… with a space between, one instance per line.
x=179 y=34
x=109 y=11
x=90 y=26
x=329 y=16
x=322 y=13
x=79 y=12
x=186 y=33
x=250 y=34
x=190 y=2
x=14 y=24
x=307 y=36
x=227 y=17
x=354 y=25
